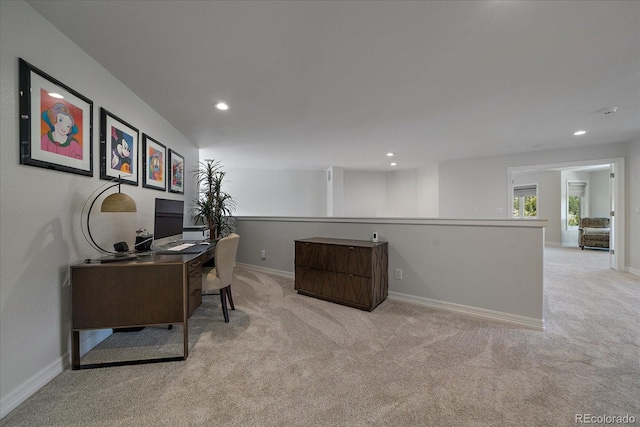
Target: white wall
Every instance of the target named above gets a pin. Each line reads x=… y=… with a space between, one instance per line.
x=482 y=182
x=633 y=206
x=599 y=194
x=428 y=183
x=474 y=188
x=277 y=192
x=269 y=192
x=39 y=209
x=402 y=194
x=398 y=194
x=365 y=194
x=335 y=191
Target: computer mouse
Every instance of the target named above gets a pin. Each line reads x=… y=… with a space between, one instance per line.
x=204 y=243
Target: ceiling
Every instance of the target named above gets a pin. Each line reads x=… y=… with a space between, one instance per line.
x=313 y=84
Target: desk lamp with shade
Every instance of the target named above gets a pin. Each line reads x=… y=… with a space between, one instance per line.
x=116 y=202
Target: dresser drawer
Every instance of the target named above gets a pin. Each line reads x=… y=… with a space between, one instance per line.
x=344 y=271
x=312 y=255
x=346 y=289
x=347 y=259
x=354 y=260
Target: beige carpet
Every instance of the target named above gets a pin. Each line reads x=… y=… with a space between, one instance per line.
x=290 y=360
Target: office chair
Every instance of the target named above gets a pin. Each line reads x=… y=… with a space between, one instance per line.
x=219 y=277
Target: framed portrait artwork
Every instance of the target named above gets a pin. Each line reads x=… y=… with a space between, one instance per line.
x=175 y=165
x=118 y=149
x=154 y=157
x=56 y=123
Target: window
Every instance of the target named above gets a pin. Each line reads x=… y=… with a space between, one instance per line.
x=576 y=193
x=525 y=201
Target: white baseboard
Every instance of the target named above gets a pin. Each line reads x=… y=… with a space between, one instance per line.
x=32 y=385
x=513 y=319
x=287 y=274
x=553 y=244
x=633 y=271
x=42 y=378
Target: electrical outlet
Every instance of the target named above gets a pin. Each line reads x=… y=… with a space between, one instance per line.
x=398 y=274
x=263 y=254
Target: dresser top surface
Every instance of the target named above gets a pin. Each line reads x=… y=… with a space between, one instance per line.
x=342 y=242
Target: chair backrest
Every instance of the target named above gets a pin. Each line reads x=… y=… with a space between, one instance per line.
x=225 y=257
x=594 y=222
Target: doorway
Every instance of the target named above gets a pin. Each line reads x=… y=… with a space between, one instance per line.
x=560 y=230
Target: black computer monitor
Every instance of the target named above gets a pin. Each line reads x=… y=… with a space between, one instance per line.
x=168 y=221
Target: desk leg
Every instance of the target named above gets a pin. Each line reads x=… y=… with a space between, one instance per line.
x=75 y=350
x=185 y=337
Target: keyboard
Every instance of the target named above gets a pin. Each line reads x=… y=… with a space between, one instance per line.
x=180 y=247
x=184 y=248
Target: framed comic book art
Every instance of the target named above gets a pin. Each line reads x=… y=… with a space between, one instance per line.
x=118 y=149
x=56 y=123
x=175 y=166
x=154 y=157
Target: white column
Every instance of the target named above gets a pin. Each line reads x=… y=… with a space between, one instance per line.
x=335 y=191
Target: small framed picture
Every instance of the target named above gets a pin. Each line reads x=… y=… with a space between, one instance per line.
x=56 y=124
x=118 y=149
x=154 y=157
x=175 y=166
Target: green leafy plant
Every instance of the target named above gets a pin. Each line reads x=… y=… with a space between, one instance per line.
x=213 y=207
x=574 y=211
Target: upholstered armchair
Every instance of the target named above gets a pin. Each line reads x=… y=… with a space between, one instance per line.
x=594 y=232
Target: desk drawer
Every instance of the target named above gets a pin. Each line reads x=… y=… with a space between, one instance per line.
x=194 y=288
x=115 y=296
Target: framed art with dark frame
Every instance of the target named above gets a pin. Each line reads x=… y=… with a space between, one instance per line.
x=154 y=157
x=56 y=123
x=175 y=165
x=118 y=149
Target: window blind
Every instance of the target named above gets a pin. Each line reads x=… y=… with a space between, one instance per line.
x=576 y=188
x=524 y=190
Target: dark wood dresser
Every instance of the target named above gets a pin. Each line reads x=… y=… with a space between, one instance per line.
x=348 y=272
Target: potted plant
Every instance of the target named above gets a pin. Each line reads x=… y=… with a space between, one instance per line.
x=213 y=207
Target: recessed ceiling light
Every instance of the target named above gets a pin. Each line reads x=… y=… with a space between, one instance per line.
x=579 y=132
x=222 y=106
x=55 y=95
x=393 y=164
x=391 y=154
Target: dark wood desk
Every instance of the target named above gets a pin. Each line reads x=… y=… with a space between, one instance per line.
x=153 y=290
